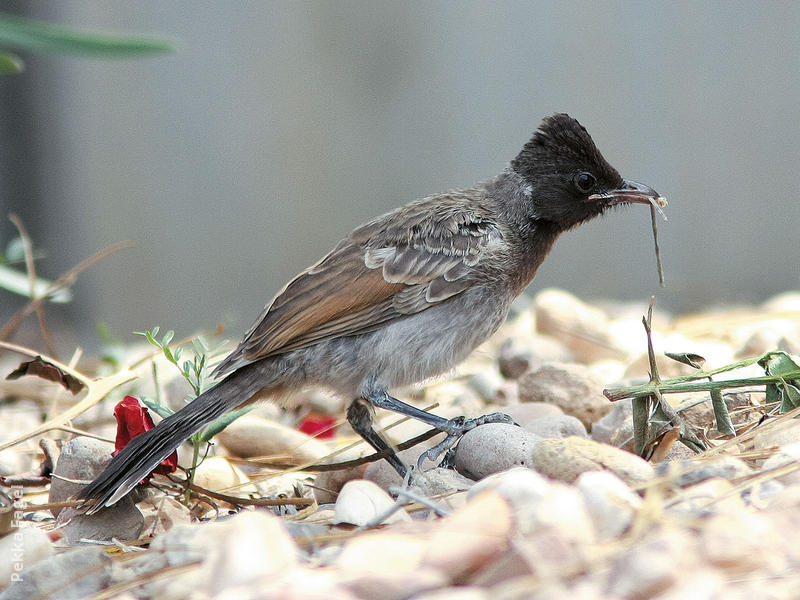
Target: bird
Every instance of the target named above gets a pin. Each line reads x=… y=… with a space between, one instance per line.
x=403 y=298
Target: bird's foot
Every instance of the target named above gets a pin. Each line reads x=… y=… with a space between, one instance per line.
x=457 y=427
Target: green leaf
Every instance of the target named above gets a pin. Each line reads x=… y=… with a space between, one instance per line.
x=687 y=358
x=168 y=354
x=773 y=394
x=721 y=414
x=222 y=422
x=151 y=339
x=790 y=397
x=167 y=338
x=161 y=410
x=10 y=64
x=779 y=364
x=19 y=283
x=26 y=34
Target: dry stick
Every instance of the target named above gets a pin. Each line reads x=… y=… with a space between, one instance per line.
x=660 y=267
x=27 y=246
x=238 y=499
x=64 y=281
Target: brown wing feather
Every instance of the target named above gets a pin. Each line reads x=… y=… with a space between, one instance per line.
x=397 y=265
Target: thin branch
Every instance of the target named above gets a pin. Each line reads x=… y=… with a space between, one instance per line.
x=30 y=267
x=65 y=280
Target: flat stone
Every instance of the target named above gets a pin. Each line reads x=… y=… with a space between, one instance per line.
x=121 y=520
x=565 y=459
x=250 y=436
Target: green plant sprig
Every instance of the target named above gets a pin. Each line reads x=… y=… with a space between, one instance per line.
x=197 y=372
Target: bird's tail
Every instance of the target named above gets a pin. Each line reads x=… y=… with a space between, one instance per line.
x=146 y=451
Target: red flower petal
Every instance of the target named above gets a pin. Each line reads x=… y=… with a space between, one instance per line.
x=313 y=424
x=134 y=419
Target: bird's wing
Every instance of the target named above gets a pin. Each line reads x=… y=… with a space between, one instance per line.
x=395 y=266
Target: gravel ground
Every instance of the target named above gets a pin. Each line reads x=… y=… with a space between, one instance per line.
x=555 y=506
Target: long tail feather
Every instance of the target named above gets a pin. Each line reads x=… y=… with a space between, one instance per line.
x=146 y=451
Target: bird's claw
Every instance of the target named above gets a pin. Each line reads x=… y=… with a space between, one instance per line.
x=457 y=427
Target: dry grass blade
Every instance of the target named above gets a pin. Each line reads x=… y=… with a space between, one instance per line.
x=654 y=222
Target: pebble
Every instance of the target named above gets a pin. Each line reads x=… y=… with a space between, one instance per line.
x=383 y=474
x=787 y=455
x=610 y=503
x=525 y=412
x=708 y=497
x=776 y=434
x=689 y=472
x=456 y=593
x=360 y=502
x=73 y=575
x=492 y=448
x=233 y=551
x=580 y=327
x=472 y=536
x=162 y=513
x=652 y=566
x=615 y=428
x=14 y=462
x=565 y=459
x=216 y=473
x=519 y=354
x=327 y=484
x=122 y=521
x=571 y=387
x=739 y=545
x=490 y=387
x=251 y=436
x=520 y=486
x=20 y=549
x=556 y=426
x=81 y=459
x=388 y=565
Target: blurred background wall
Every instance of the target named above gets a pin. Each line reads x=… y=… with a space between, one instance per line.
x=279 y=126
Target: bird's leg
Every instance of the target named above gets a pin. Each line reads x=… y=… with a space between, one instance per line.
x=359 y=415
x=454 y=428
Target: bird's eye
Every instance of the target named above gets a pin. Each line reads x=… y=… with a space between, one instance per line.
x=585 y=182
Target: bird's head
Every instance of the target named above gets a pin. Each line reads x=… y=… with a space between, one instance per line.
x=570 y=180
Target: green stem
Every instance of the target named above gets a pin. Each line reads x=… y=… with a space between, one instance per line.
x=195 y=458
x=689 y=384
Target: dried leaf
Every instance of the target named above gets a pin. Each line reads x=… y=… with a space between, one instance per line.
x=658 y=448
x=46 y=370
x=687 y=358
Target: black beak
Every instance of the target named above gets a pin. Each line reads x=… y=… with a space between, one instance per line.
x=631 y=192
